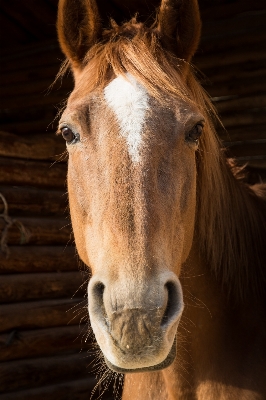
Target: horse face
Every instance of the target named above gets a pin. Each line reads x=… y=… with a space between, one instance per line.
x=132 y=193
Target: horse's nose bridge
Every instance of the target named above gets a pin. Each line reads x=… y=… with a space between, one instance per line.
x=133 y=294
x=132 y=200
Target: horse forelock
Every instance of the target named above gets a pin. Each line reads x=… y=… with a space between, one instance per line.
x=230 y=226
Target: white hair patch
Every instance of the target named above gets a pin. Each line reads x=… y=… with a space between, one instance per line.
x=129 y=101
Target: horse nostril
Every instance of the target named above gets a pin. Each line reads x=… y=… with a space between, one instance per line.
x=97 y=292
x=99 y=288
x=174 y=304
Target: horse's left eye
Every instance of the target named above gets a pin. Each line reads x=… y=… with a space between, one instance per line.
x=195 y=133
x=68 y=134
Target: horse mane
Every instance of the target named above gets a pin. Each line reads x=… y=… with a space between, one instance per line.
x=230 y=223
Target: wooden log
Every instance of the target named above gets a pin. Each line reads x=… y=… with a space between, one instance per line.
x=255 y=162
x=234 y=56
x=28 y=201
x=72 y=389
x=212 y=10
x=28 y=120
x=225 y=42
x=40 y=231
x=241 y=119
x=22 y=287
x=29 y=74
x=32 y=173
x=248 y=70
x=23 y=259
x=249 y=132
x=39 y=86
x=55 y=98
x=245 y=23
x=237 y=87
x=46 y=54
x=33 y=147
x=27 y=127
x=250 y=149
x=241 y=103
x=38 y=372
x=25 y=19
x=14 y=31
x=44 y=342
x=42 y=314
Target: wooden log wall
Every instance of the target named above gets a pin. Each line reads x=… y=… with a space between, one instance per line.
x=43 y=316
x=40 y=328
x=232 y=56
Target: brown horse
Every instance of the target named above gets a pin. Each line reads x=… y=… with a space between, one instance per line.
x=159 y=215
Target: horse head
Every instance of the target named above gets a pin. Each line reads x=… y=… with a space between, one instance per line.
x=132 y=131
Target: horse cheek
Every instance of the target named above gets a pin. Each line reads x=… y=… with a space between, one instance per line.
x=78 y=207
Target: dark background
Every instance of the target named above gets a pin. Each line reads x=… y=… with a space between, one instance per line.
x=42 y=353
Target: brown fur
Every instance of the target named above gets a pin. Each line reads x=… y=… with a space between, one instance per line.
x=230 y=215
x=220 y=356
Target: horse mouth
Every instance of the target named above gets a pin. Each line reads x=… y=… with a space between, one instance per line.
x=162 y=365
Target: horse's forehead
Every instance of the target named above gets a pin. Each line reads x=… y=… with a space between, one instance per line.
x=129 y=101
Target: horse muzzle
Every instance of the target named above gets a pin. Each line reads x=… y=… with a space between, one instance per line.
x=135 y=323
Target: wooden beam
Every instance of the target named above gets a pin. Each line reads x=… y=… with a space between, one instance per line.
x=46 y=54
x=43 y=342
x=23 y=287
x=234 y=56
x=42 y=314
x=240 y=72
x=35 y=86
x=237 y=87
x=39 y=231
x=242 y=119
x=15 y=33
x=25 y=19
x=38 y=372
x=72 y=389
x=248 y=132
x=34 y=147
x=238 y=28
x=248 y=149
x=28 y=127
x=32 y=173
x=242 y=103
x=28 y=201
x=44 y=14
x=256 y=162
x=55 y=98
x=36 y=259
x=225 y=10
x=26 y=118
x=220 y=42
x=30 y=74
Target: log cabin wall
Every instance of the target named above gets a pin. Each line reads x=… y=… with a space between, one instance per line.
x=43 y=325
x=41 y=351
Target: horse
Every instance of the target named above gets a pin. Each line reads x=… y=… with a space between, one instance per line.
x=171 y=231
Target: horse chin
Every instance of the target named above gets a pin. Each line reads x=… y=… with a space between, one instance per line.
x=164 y=364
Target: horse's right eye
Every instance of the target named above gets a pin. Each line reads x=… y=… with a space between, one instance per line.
x=68 y=134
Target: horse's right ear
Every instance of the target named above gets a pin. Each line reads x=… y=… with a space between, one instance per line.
x=78 y=28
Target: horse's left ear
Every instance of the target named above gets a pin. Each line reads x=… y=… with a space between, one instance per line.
x=78 y=28
x=179 y=24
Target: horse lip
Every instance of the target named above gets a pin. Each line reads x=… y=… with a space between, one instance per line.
x=162 y=365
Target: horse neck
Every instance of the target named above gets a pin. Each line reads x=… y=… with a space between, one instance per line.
x=233 y=236
x=214 y=346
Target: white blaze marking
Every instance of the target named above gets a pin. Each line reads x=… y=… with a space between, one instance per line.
x=129 y=101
